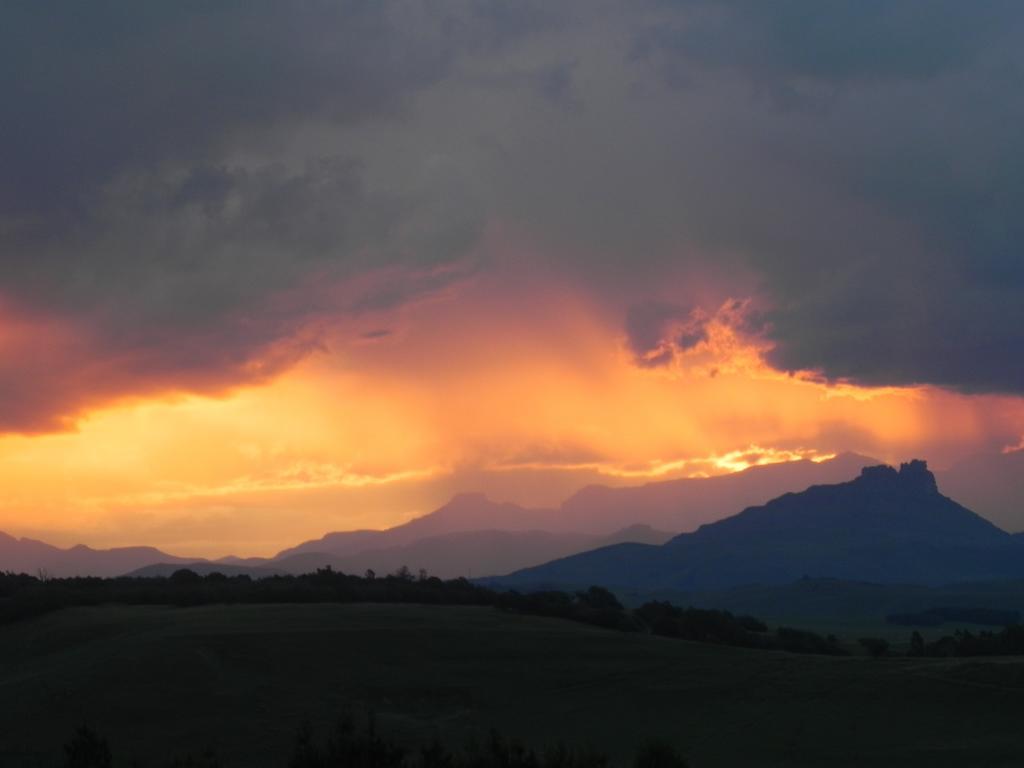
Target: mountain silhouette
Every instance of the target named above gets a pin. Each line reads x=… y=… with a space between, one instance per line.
x=33 y=557
x=685 y=504
x=468 y=553
x=464 y=512
x=885 y=526
x=598 y=510
x=472 y=534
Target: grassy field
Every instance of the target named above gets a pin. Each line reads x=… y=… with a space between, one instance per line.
x=161 y=681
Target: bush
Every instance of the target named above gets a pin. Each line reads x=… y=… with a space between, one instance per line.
x=875 y=646
x=802 y=641
x=659 y=755
x=87 y=750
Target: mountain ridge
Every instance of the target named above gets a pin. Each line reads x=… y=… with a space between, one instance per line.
x=27 y=555
x=516 y=537
x=468 y=553
x=669 y=505
x=886 y=526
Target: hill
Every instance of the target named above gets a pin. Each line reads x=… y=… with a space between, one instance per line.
x=826 y=603
x=160 y=681
x=31 y=556
x=886 y=526
x=468 y=553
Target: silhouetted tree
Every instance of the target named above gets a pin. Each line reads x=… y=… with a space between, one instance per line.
x=500 y=753
x=916 y=644
x=186 y=576
x=434 y=755
x=803 y=641
x=659 y=755
x=599 y=598
x=208 y=759
x=875 y=646
x=86 y=749
x=306 y=754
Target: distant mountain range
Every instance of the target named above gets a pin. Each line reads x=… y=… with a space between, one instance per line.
x=885 y=526
x=600 y=511
x=35 y=557
x=684 y=505
x=466 y=553
x=474 y=536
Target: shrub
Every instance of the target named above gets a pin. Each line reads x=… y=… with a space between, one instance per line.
x=86 y=749
x=659 y=755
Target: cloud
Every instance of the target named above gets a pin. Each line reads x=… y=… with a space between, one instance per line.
x=836 y=42
x=161 y=227
x=659 y=334
x=194 y=198
x=889 y=250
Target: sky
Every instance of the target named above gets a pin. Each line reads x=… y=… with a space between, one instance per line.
x=270 y=270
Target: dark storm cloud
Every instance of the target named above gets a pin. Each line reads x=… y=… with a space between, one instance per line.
x=107 y=86
x=833 y=41
x=891 y=249
x=657 y=331
x=190 y=190
x=95 y=88
x=159 y=228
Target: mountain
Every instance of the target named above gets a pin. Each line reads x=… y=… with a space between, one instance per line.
x=885 y=526
x=687 y=503
x=31 y=556
x=468 y=553
x=473 y=534
x=598 y=510
x=465 y=512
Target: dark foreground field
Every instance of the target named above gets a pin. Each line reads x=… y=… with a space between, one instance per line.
x=164 y=681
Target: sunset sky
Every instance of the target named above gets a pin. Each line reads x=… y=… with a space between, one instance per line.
x=270 y=270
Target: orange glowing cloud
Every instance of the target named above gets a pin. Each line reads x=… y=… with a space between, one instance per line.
x=523 y=394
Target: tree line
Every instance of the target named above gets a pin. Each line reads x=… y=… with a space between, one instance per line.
x=934 y=617
x=346 y=746
x=23 y=596
x=1009 y=641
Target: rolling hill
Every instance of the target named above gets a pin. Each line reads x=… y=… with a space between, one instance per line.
x=160 y=682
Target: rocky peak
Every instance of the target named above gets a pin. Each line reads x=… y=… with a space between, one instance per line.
x=913 y=476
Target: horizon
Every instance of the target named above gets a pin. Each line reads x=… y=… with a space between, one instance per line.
x=473 y=495
x=457 y=495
